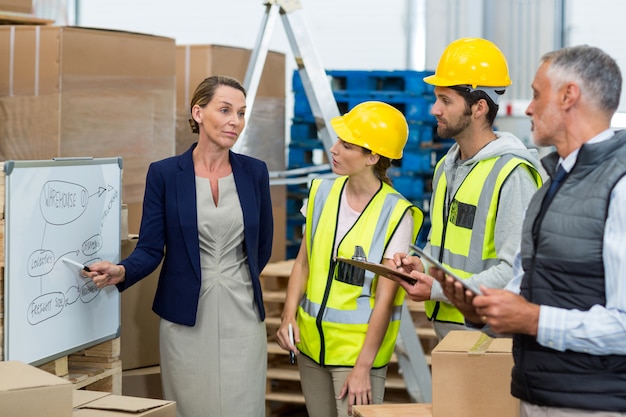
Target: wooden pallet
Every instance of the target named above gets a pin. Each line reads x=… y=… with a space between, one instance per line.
x=98 y=368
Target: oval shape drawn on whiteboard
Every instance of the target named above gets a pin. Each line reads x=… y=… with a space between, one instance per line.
x=92 y=245
x=62 y=202
x=88 y=292
x=40 y=263
x=45 y=306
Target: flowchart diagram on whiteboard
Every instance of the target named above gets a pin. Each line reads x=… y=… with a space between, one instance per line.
x=59 y=215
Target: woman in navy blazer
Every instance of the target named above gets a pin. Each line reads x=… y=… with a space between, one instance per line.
x=170 y=231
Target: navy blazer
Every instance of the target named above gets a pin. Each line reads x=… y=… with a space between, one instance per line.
x=169 y=227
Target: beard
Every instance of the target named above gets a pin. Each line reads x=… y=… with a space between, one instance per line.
x=453 y=130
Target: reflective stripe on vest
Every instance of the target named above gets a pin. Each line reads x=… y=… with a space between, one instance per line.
x=468 y=235
x=333 y=316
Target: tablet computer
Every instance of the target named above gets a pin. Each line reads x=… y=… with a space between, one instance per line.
x=434 y=262
x=380 y=269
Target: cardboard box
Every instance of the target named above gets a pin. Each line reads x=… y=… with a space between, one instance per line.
x=82 y=396
x=143 y=382
x=16 y=6
x=139 y=324
x=76 y=92
x=26 y=391
x=471 y=376
x=97 y=404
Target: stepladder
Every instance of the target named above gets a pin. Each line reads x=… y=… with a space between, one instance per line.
x=314 y=79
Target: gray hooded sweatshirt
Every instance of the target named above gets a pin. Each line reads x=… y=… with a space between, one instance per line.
x=514 y=197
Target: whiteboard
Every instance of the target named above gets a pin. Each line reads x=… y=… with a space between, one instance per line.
x=62 y=208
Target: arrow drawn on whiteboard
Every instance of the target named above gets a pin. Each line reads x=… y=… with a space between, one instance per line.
x=72 y=294
x=101 y=190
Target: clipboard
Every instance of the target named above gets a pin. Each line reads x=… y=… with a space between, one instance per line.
x=380 y=269
x=434 y=262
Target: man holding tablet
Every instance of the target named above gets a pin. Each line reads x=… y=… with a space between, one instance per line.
x=480 y=188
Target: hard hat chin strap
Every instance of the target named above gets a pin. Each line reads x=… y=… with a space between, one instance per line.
x=494 y=93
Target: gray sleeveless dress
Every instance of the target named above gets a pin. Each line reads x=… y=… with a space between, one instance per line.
x=218 y=367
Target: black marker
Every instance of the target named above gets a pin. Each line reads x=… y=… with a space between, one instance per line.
x=81 y=266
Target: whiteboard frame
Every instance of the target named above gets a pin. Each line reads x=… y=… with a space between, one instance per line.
x=115 y=298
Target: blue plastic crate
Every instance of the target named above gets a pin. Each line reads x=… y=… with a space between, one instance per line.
x=293 y=240
x=388 y=82
x=310 y=144
x=294 y=227
x=296 y=82
x=415 y=109
x=420 y=133
x=439 y=153
x=424 y=202
x=296 y=220
x=303 y=130
x=362 y=81
x=301 y=155
x=411 y=187
x=297 y=191
x=421 y=161
x=422 y=237
x=442 y=142
x=299 y=158
x=293 y=206
x=293 y=234
x=302 y=109
x=292 y=249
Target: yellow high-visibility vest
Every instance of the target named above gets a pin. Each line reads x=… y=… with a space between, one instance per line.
x=462 y=236
x=333 y=315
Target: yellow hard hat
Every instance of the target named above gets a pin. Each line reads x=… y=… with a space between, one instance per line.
x=471 y=61
x=374 y=125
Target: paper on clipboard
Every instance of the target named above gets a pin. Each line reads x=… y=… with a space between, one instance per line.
x=434 y=262
x=380 y=269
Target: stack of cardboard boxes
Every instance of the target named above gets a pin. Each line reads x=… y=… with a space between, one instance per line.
x=75 y=92
x=69 y=92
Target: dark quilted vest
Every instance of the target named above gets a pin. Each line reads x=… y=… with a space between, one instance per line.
x=562 y=260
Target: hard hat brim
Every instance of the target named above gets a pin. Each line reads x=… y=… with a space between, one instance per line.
x=438 y=81
x=342 y=131
x=442 y=82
